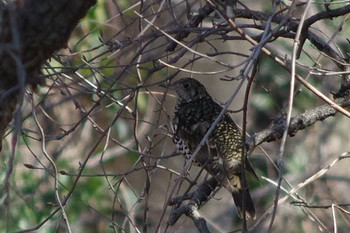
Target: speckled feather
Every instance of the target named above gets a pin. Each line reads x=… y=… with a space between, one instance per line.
x=221 y=157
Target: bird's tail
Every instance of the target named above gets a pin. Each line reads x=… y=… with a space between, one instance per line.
x=233 y=182
x=238 y=196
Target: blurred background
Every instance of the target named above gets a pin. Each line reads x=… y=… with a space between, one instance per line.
x=107 y=123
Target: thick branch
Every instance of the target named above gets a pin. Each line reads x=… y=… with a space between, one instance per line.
x=297 y=123
x=31 y=31
x=196 y=199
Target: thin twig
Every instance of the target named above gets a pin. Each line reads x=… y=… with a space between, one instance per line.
x=55 y=171
x=289 y=114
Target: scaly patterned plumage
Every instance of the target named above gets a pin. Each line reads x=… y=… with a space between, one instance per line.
x=221 y=157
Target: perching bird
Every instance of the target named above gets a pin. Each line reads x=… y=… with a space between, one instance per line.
x=221 y=157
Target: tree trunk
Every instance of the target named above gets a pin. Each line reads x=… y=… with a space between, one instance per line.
x=30 y=32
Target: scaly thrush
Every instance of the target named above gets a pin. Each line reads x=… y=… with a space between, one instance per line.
x=221 y=157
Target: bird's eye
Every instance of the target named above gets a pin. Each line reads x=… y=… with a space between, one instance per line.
x=186 y=85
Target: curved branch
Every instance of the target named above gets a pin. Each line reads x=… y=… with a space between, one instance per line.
x=329 y=14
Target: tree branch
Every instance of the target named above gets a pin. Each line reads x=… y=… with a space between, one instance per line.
x=297 y=123
x=196 y=199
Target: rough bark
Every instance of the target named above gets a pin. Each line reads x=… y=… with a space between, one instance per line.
x=30 y=32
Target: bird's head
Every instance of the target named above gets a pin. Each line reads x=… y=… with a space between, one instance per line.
x=189 y=89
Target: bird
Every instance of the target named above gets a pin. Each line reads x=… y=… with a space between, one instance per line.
x=221 y=156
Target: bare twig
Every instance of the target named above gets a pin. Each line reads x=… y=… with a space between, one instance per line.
x=55 y=171
x=280 y=161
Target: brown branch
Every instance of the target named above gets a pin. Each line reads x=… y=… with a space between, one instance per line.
x=297 y=123
x=196 y=199
x=31 y=31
